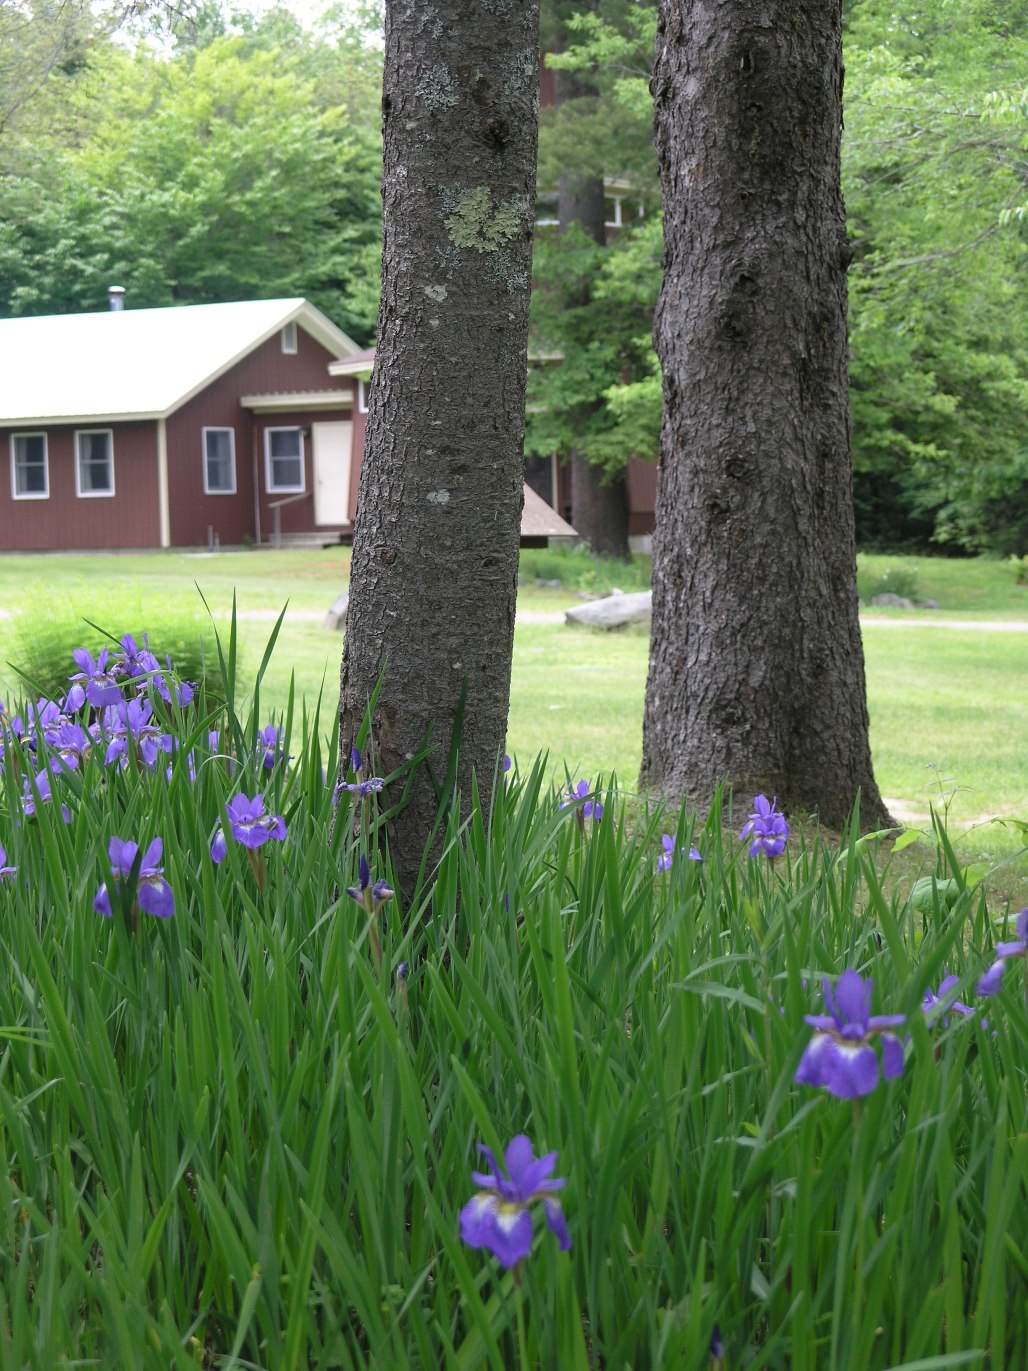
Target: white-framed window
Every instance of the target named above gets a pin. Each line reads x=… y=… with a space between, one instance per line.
x=283 y=460
x=219 y=461
x=30 y=468
x=289 y=336
x=94 y=463
x=619 y=210
x=362 y=396
x=546 y=209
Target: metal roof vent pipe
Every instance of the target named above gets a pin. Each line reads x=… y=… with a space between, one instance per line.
x=116 y=298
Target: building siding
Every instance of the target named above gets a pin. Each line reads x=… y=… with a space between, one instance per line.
x=67 y=521
x=196 y=516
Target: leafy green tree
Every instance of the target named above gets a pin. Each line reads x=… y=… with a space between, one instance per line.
x=215 y=174
x=593 y=306
x=935 y=174
x=599 y=127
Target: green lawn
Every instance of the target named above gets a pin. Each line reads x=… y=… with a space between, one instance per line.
x=947 y=706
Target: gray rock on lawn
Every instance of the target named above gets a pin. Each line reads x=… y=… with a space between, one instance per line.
x=613 y=611
x=892 y=601
x=335 y=619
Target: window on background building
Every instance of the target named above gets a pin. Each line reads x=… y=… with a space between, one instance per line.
x=283 y=460
x=546 y=209
x=362 y=396
x=289 y=337
x=30 y=474
x=219 y=461
x=94 y=462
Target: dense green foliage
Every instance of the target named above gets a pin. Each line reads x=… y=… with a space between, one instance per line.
x=237 y=1137
x=936 y=179
x=240 y=168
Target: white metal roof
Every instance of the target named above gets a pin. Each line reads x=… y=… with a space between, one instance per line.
x=136 y=363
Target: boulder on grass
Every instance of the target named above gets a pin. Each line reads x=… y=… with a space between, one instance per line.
x=335 y=619
x=892 y=601
x=613 y=611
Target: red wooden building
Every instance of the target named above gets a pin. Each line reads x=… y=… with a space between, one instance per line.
x=178 y=427
x=199 y=425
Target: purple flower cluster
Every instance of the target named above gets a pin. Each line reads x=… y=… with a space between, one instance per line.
x=499 y=1216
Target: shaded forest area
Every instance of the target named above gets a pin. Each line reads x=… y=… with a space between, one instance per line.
x=197 y=154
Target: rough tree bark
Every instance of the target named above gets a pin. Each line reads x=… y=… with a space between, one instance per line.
x=756 y=666
x=435 y=555
x=599 y=507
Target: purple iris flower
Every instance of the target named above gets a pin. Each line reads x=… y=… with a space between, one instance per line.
x=71 y=745
x=48 y=718
x=134 y=661
x=498 y=1217
x=371 y=785
x=840 y=1056
x=717 y=1347
x=269 y=747
x=250 y=826
x=183 y=690
x=369 y=896
x=767 y=827
x=592 y=809
x=667 y=857
x=6 y=870
x=153 y=894
x=506 y=763
x=936 y=1003
x=1006 y=952
x=97 y=683
x=28 y=800
x=130 y=722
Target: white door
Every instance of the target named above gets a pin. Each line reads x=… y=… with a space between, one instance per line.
x=333 y=445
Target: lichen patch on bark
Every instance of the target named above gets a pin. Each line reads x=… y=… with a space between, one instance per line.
x=477 y=223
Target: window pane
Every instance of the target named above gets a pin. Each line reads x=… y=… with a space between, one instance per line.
x=286 y=471
x=30 y=464
x=220 y=476
x=95 y=474
x=285 y=448
x=285 y=442
x=546 y=208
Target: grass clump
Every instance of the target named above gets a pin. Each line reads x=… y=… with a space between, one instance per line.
x=577 y=568
x=893 y=580
x=43 y=638
x=243 y=1135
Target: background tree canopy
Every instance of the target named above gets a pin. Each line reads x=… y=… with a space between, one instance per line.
x=237 y=156
x=935 y=173
x=237 y=165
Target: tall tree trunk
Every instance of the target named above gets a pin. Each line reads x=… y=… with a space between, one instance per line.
x=756 y=667
x=599 y=506
x=435 y=555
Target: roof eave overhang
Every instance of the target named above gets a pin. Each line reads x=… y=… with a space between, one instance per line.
x=312 y=399
x=70 y=420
